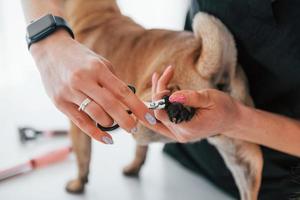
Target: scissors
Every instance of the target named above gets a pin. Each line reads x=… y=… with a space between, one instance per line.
x=154 y=105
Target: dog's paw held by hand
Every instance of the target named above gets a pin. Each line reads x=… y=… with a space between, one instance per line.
x=177 y=112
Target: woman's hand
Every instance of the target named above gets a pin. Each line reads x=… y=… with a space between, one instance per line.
x=216 y=112
x=71 y=73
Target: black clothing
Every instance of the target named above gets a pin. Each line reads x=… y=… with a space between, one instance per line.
x=267 y=34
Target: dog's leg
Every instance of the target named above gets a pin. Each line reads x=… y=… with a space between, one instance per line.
x=134 y=167
x=245 y=162
x=81 y=144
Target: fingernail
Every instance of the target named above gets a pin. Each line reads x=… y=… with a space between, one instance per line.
x=178 y=99
x=107 y=140
x=134 y=130
x=154 y=74
x=150 y=119
x=154 y=77
x=170 y=66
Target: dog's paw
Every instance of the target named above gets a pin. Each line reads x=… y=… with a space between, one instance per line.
x=133 y=169
x=75 y=186
x=177 y=112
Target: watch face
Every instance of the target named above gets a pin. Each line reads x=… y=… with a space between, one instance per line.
x=40 y=26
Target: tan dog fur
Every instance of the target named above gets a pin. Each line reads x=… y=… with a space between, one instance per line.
x=202 y=59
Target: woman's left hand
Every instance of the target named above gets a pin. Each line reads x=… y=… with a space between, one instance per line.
x=216 y=111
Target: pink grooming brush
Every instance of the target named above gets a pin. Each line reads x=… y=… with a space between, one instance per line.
x=34 y=163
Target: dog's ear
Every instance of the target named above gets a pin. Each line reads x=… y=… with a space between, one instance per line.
x=217 y=60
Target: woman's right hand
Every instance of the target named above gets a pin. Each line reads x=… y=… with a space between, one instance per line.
x=71 y=73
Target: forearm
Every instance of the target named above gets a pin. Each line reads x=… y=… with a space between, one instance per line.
x=34 y=9
x=268 y=129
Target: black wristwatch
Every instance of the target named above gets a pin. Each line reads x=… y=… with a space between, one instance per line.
x=45 y=26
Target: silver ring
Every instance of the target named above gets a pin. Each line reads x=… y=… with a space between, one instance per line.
x=84 y=104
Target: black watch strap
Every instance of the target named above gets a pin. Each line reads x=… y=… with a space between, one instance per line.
x=45 y=26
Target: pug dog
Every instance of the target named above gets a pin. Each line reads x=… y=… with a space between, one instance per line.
x=204 y=58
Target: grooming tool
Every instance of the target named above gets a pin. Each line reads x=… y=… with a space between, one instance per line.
x=115 y=125
x=177 y=112
x=157 y=105
x=160 y=104
x=36 y=162
x=28 y=133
